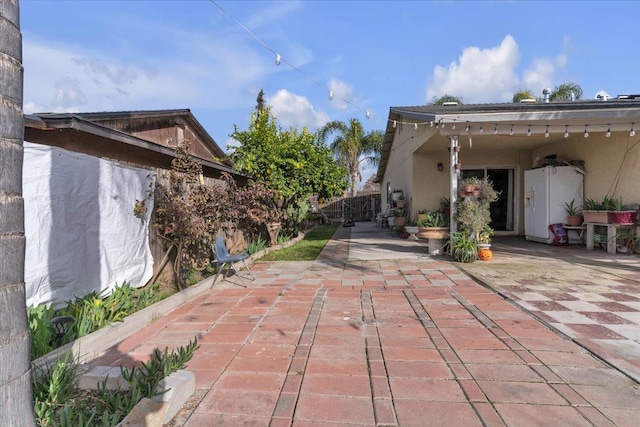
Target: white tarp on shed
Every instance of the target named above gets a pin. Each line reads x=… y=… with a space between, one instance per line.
x=81 y=232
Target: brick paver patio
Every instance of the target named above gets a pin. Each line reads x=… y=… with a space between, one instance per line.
x=407 y=342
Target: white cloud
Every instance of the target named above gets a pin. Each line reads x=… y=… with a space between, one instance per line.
x=296 y=111
x=479 y=75
x=541 y=73
x=341 y=91
x=64 y=78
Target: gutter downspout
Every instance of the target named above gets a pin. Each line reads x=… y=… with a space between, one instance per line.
x=454 y=174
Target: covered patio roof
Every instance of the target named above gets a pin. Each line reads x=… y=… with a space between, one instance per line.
x=526 y=125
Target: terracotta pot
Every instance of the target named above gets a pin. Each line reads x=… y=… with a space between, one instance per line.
x=401 y=221
x=400 y=203
x=433 y=232
x=574 y=220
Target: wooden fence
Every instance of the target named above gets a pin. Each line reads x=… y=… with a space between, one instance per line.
x=360 y=208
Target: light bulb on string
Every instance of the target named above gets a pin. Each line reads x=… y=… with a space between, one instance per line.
x=633 y=131
x=454 y=125
x=586 y=133
x=529 y=131
x=511 y=131
x=330 y=95
x=278 y=59
x=566 y=131
x=481 y=129
x=608 y=134
x=495 y=129
x=431 y=124
x=415 y=126
x=546 y=132
x=441 y=124
x=395 y=123
x=367 y=115
x=466 y=129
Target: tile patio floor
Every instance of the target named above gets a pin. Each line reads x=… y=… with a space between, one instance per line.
x=388 y=342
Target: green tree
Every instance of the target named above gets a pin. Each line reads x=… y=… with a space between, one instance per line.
x=352 y=145
x=566 y=92
x=294 y=164
x=523 y=94
x=16 y=404
x=445 y=98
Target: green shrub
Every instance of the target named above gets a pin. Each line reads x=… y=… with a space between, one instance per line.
x=256 y=245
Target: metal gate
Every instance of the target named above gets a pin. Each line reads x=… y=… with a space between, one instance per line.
x=359 y=208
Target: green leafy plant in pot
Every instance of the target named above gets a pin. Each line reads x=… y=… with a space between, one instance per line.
x=463 y=247
x=574 y=218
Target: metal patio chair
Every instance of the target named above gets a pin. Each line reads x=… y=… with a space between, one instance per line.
x=223 y=257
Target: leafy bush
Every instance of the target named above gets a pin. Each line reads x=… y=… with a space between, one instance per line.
x=256 y=245
x=90 y=313
x=57 y=401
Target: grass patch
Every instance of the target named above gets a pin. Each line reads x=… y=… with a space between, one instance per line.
x=308 y=248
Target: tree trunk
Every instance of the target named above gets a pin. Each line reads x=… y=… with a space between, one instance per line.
x=16 y=404
x=355 y=177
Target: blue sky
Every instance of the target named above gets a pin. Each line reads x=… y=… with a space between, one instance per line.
x=137 y=55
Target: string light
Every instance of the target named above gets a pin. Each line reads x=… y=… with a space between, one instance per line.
x=546 y=132
x=529 y=131
x=395 y=123
x=495 y=129
x=454 y=125
x=566 y=131
x=278 y=59
x=431 y=124
x=441 y=124
x=511 y=131
x=367 y=115
x=633 y=131
x=608 y=134
x=481 y=129
x=415 y=125
x=466 y=129
x=330 y=95
x=586 y=133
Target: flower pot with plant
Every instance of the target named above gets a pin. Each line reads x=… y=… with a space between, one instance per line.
x=473 y=216
x=620 y=215
x=396 y=194
x=422 y=214
x=400 y=218
x=463 y=247
x=595 y=212
x=434 y=226
x=400 y=202
x=574 y=218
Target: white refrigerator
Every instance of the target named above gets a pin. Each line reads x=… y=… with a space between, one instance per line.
x=546 y=190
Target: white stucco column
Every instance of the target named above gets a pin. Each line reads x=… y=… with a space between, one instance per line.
x=454 y=174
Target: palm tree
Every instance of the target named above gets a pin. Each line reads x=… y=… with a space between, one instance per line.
x=16 y=404
x=566 y=92
x=351 y=146
x=523 y=94
x=445 y=98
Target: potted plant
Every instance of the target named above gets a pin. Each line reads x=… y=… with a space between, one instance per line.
x=463 y=247
x=422 y=214
x=470 y=186
x=574 y=218
x=473 y=213
x=484 y=244
x=400 y=201
x=433 y=226
x=400 y=218
x=396 y=193
x=595 y=212
x=620 y=215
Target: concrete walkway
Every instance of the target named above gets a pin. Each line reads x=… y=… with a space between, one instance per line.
x=362 y=337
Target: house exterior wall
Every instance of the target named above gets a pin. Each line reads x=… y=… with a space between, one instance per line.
x=400 y=165
x=612 y=164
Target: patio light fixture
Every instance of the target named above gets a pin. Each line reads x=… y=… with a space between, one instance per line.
x=440 y=167
x=61 y=326
x=633 y=131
